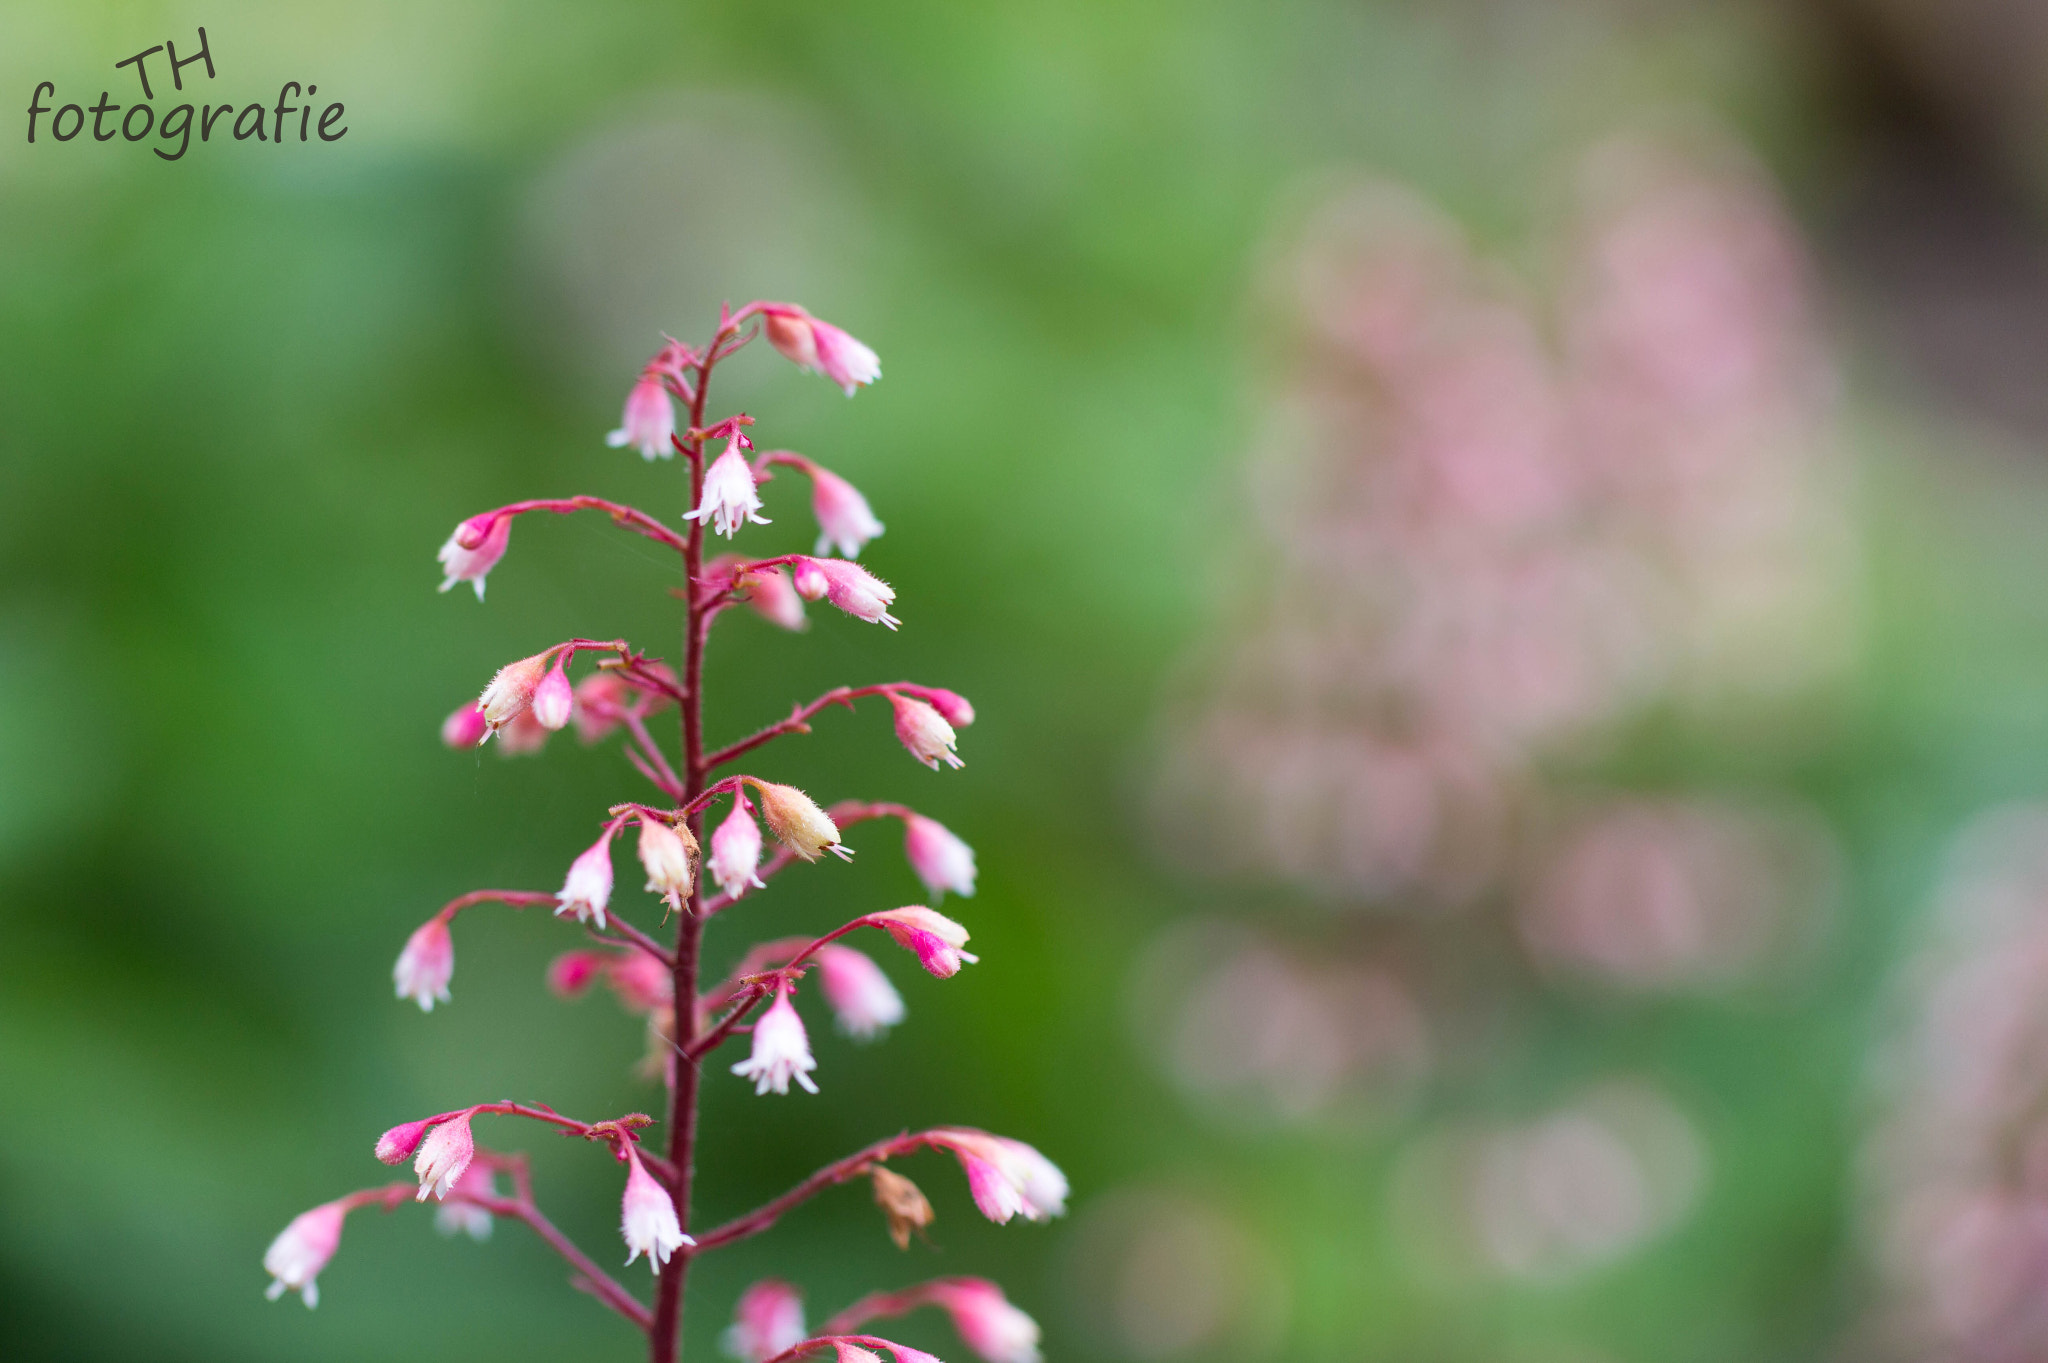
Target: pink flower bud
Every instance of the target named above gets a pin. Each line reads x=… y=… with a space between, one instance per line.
x=642 y=983
x=302 y=1249
x=443 y=1155
x=773 y=599
x=474 y=549
x=848 y=586
x=511 y=691
x=768 y=1320
x=940 y=859
x=587 y=889
x=523 y=736
x=396 y=1145
x=951 y=704
x=812 y=344
x=1008 y=1178
x=466 y=727
x=798 y=823
x=648 y=422
x=669 y=854
x=986 y=1320
x=572 y=972
x=729 y=500
x=924 y=731
x=781 y=1050
x=844 y=518
x=861 y=996
x=426 y=965
x=457 y=1215
x=601 y=701
x=554 y=700
x=935 y=938
x=736 y=852
x=647 y=1216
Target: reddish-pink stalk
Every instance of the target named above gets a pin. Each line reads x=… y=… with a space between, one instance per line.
x=839 y=1171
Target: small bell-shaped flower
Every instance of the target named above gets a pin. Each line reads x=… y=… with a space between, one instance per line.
x=669 y=853
x=730 y=499
x=647 y=1216
x=940 y=859
x=955 y=707
x=924 y=731
x=426 y=964
x=466 y=727
x=846 y=585
x=443 y=1155
x=587 y=889
x=768 y=1320
x=845 y=521
x=782 y=1051
x=1007 y=1178
x=862 y=999
x=769 y=592
x=510 y=693
x=798 y=823
x=302 y=1249
x=811 y=344
x=601 y=700
x=736 y=852
x=935 y=938
x=649 y=419
x=473 y=550
x=986 y=1320
x=554 y=700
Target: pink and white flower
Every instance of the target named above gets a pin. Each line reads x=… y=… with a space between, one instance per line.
x=773 y=599
x=730 y=499
x=940 y=859
x=812 y=344
x=768 y=1320
x=510 y=693
x=457 y=1215
x=443 y=1155
x=782 y=1051
x=924 y=731
x=845 y=520
x=1008 y=1178
x=587 y=889
x=986 y=1320
x=848 y=586
x=669 y=855
x=862 y=998
x=955 y=707
x=798 y=823
x=554 y=700
x=649 y=420
x=736 y=852
x=396 y=1145
x=466 y=727
x=647 y=1216
x=474 y=549
x=426 y=964
x=302 y=1249
x=935 y=938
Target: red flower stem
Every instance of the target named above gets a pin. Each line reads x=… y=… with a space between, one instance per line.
x=518 y=899
x=663 y=775
x=840 y=1171
x=629 y=518
x=797 y=723
x=817 y=1342
x=642 y=940
x=878 y=1306
x=594 y=1280
x=714 y=1038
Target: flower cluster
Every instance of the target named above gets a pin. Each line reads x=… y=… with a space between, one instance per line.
x=688 y=1018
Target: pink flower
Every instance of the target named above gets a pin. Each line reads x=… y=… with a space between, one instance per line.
x=647 y=1216
x=768 y=1320
x=648 y=422
x=572 y=972
x=736 y=852
x=848 y=586
x=812 y=344
x=302 y=1249
x=466 y=727
x=954 y=706
x=669 y=855
x=443 y=1155
x=846 y=1351
x=1008 y=1178
x=773 y=599
x=924 y=731
x=798 y=823
x=396 y=1145
x=587 y=889
x=861 y=996
x=474 y=549
x=941 y=860
x=642 y=983
x=986 y=1320
x=600 y=702
x=511 y=691
x=730 y=500
x=935 y=938
x=554 y=700
x=523 y=736
x=457 y=1215
x=781 y=1050
x=426 y=964
x=844 y=518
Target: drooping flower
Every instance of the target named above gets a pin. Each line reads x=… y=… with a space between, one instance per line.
x=1008 y=1178
x=587 y=889
x=955 y=707
x=573 y=972
x=642 y=983
x=862 y=998
x=798 y=823
x=466 y=727
x=669 y=853
x=457 y=1215
x=649 y=420
x=554 y=700
x=812 y=344
x=443 y=1155
x=647 y=1216
x=736 y=852
x=987 y=1321
x=924 y=731
x=302 y=1249
x=903 y=1203
x=845 y=521
x=426 y=965
x=768 y=591
x=396 y=1145
x=729 y=500
x=511 y=691
x=848 y=586
x=781 y=1050
x=601 y=700
x=940 y=859
x=768 y=1320
x=473 y=550
x=935 y=938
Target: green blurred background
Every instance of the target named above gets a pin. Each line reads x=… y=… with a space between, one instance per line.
x=243 y=397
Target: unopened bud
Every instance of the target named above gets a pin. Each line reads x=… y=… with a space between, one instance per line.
x=798 y=823
x=904 y=1205
x=554 y=700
